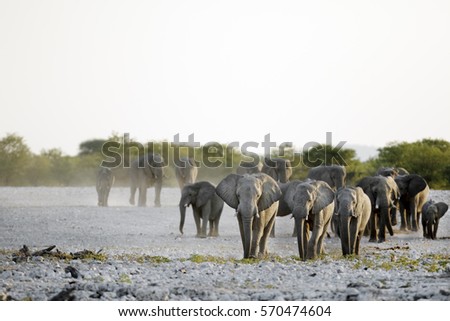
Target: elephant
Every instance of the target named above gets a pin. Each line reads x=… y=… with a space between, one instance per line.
x=353 y=210
x=392 y=171
x=252 y=167
x=383 y=194
x=431 y=213
x=312 y=205
x=334 y=175
x=414 y=192
x=146 y=171
x=185 y=171
x=278 y=168
x=255 y=198
x=105 y=180
x=207 y=207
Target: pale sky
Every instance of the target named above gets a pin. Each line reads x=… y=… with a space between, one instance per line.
x=370 y=72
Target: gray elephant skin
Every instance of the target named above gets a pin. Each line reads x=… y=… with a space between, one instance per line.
x=383 y=194
x=414 y=192
x=207 y=207
x=278 y=168
x=186 y=171
x=312 y=206
x=105 y=180
x=255 y=199
x=392 y=171
x=353 y=210
x=146 y=171
x=431 y=214
x=334 y=175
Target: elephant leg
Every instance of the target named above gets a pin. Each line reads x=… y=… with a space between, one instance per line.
x=272 y=232
x=414 y=214
x=403 y=220
x=317 y=231
x=215 y=227
x=358 y=241
x=206 y=213
x=198 y=222
x=258 y=230
x=158 y=187
x=142 y=196
x=435 y=228
x=132 y=194
x=263 y=249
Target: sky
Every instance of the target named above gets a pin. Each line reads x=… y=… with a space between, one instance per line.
x=369 y=72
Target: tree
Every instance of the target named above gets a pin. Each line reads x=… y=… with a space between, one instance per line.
x=427 y=157
x=14 y=156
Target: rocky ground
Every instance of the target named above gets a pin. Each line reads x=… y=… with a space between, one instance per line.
x=128 y=253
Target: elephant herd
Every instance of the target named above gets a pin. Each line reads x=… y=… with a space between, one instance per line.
x=261 y=192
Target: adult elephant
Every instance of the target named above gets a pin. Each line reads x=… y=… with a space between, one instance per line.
x=383 y=194
x=334 y=175
x=255 y=198
x=186 y=171
x=312 y=205
x=414 y=192
x=279 y=169
x=353 y=210
x=146 y=171
x=207 y=207
x=105 y=180
x=392 y=171
x=431 y=214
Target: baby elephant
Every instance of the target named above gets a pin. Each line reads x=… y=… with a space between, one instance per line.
x=353 y=213
x=206 y=205
x=105 y=180
x=431 y=213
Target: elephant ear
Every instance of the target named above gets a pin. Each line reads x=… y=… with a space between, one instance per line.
x=416 y=184
x=442 y=208
x=288 y=190
x=360 y=203
x=205 y=192
x=325 y=196
x=227 y=190
x=271 y=192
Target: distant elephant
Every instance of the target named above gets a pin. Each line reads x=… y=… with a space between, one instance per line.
x=278 y=168
x=251 y=167
x=255 y=198
x=312 y=206
x=353 y=210
x=392 y=171
x=414 y=192
x=207 y=207
x=185 y=171
x=105 y=180
x=431 y=213
x=383 y=194
x=334 y=175
x=146 y=171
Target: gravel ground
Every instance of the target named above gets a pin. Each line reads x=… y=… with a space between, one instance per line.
x=144 y=257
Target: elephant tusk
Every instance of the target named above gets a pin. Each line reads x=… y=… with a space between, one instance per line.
x=257 y=215
x=186 y=205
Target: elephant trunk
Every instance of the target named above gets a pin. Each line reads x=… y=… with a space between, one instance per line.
x=302 y=237
x=247 y=223
x=344 y=229
x=182 y=215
